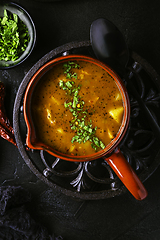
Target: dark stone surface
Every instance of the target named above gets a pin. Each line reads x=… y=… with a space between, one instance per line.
x=120 y=218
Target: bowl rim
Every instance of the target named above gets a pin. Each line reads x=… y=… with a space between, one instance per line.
x=31 y=139
x=30 y=46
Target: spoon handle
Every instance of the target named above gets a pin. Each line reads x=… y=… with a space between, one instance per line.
x=126 y=174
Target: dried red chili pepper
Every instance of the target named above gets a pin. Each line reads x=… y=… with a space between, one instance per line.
x=6 y=129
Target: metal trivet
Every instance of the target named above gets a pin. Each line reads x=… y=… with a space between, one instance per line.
x=94 y=179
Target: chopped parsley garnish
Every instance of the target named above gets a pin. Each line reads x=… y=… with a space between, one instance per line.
x=14 y=37
x=68 y=72
x=84 y=131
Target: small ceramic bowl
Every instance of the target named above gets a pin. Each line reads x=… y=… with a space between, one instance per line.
x=111 y=153
x=27 y=20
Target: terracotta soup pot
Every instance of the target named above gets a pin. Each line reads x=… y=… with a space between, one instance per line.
x=80 y=114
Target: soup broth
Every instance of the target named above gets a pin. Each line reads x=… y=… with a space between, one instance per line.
x=77 y=108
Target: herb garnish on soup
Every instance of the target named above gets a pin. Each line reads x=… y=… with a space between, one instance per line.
x=77 y=108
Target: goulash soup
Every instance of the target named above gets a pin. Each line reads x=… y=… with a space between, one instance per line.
x=77 y=108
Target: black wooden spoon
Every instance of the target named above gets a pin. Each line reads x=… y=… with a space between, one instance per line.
x=108 y=43
x=110 y=47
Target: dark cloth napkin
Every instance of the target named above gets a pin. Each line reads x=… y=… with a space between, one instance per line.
x=16 y=223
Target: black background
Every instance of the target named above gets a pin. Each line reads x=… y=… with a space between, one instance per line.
x=119 y=218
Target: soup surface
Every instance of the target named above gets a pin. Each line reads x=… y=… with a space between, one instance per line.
x=77 y=108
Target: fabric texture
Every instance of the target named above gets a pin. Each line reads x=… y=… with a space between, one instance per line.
x=16 y=223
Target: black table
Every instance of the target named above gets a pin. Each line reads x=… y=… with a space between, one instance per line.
x=121 y=217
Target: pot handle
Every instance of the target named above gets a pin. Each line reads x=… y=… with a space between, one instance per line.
x=126 y=174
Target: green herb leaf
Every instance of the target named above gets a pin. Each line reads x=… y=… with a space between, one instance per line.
x=61 y=83
x=69 y=84
x=75 y=102
x=14 y=37
x=102 y=145
x=79 y=124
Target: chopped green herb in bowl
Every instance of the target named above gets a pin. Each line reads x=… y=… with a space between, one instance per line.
x=17 y=35
x=14 y=37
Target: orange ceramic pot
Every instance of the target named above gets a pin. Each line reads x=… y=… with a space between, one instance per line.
x=111 y=153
